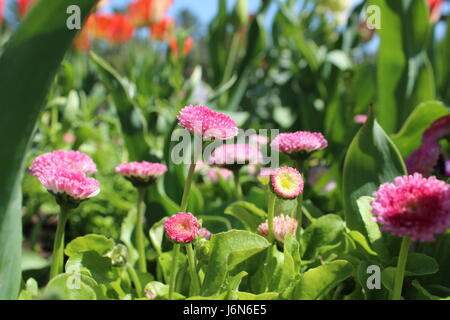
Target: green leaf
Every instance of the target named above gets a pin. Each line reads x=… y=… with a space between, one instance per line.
x=28 y=65
x=96 y=266
x=419 y=264
x=425 y=294
x=71 y=287
x=410 y=136
x=91 y=242
x=318 y=281
x=361 y=241
x=30 y=291
x=33 y=261
x=372 y=159
x=324 y=231
x=404 y=73
x=229 y=249
x=156 y=234
x=371 y=228
x=131 y=119
x=250 y=296
x=250 y=215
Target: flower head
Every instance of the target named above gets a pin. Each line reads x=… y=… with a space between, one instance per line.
x=361 y=118
x=68 y=186
x=435 y=10
x=281 y=224
x=72 y=160
x=2 y=8
x=214 y=174
x=147 y=12
x=413 y=206
x=207 y=123
x=181 y=227
x=112 y=27
x=287 y=182
x=235 y=155
x=299 y=142
x=141 y=174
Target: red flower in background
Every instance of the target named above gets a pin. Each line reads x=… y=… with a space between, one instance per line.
x=435 y=10
x=162 y=30
x=188 y=44
x=147 y=12
x=115 y=28
x=23 y=6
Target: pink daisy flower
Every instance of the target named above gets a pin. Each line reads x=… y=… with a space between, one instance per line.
x=282 y=225
x=299 y=142
x=424 y=159
x=214 y=174
x=68 y=186
x=141 y=174
x=208 y=123
x=181 y=227
x=287 y=182
x=361 y=118
x=232 y=155
x=413 y=206
x=72 y=160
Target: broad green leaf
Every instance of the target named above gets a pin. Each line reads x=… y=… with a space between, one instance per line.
x=96 y=266
x=424 y=293
x=327 y=230
x=372 y=159
x=71 y=287
x=229 y=249
x=91 y=242
x=126 y=232
x=371 y=228
x=250 y=215
x=156 y=234
x=440 y=251
x=419 y=264
x=318 y=281
x=131 y=119
x=28 y=65
x=404 y=73
x=409 y=137
x=361 y=241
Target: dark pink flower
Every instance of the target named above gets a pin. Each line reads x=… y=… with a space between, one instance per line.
x=181 y=227
x=281 y=226
x=287 y=182
x=205 y=233
x=361 y=118
x=424 y=159
x=236 y=154
x=438 y=130
x=141 y=174
x=208 y=123
x=300 y=141
x=413 y=206
x=72 y=160
x=70 y=187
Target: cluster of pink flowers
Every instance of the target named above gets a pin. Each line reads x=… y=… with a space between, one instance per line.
x=141 y=174
x=287 y=182
x=282 y=225
x=413 y=206
x=182 y=227
x=208 y=123
x=63 y=173
x=230 y=155
x=300 y=141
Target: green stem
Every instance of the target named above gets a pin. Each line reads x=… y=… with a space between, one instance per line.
x=140 y=230
x=173 y=273
x=237 y=184
x=135 y=279
x=187 y=187
x=300 y=164
x=400 y=270
x=58 y=245
x=271 y=210
x=195 y=280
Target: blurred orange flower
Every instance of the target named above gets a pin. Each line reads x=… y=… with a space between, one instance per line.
x=188 y=44
x=435 y=10
x=162 y=30
x=23 y=6
x=147 y=12
x=115 y=28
